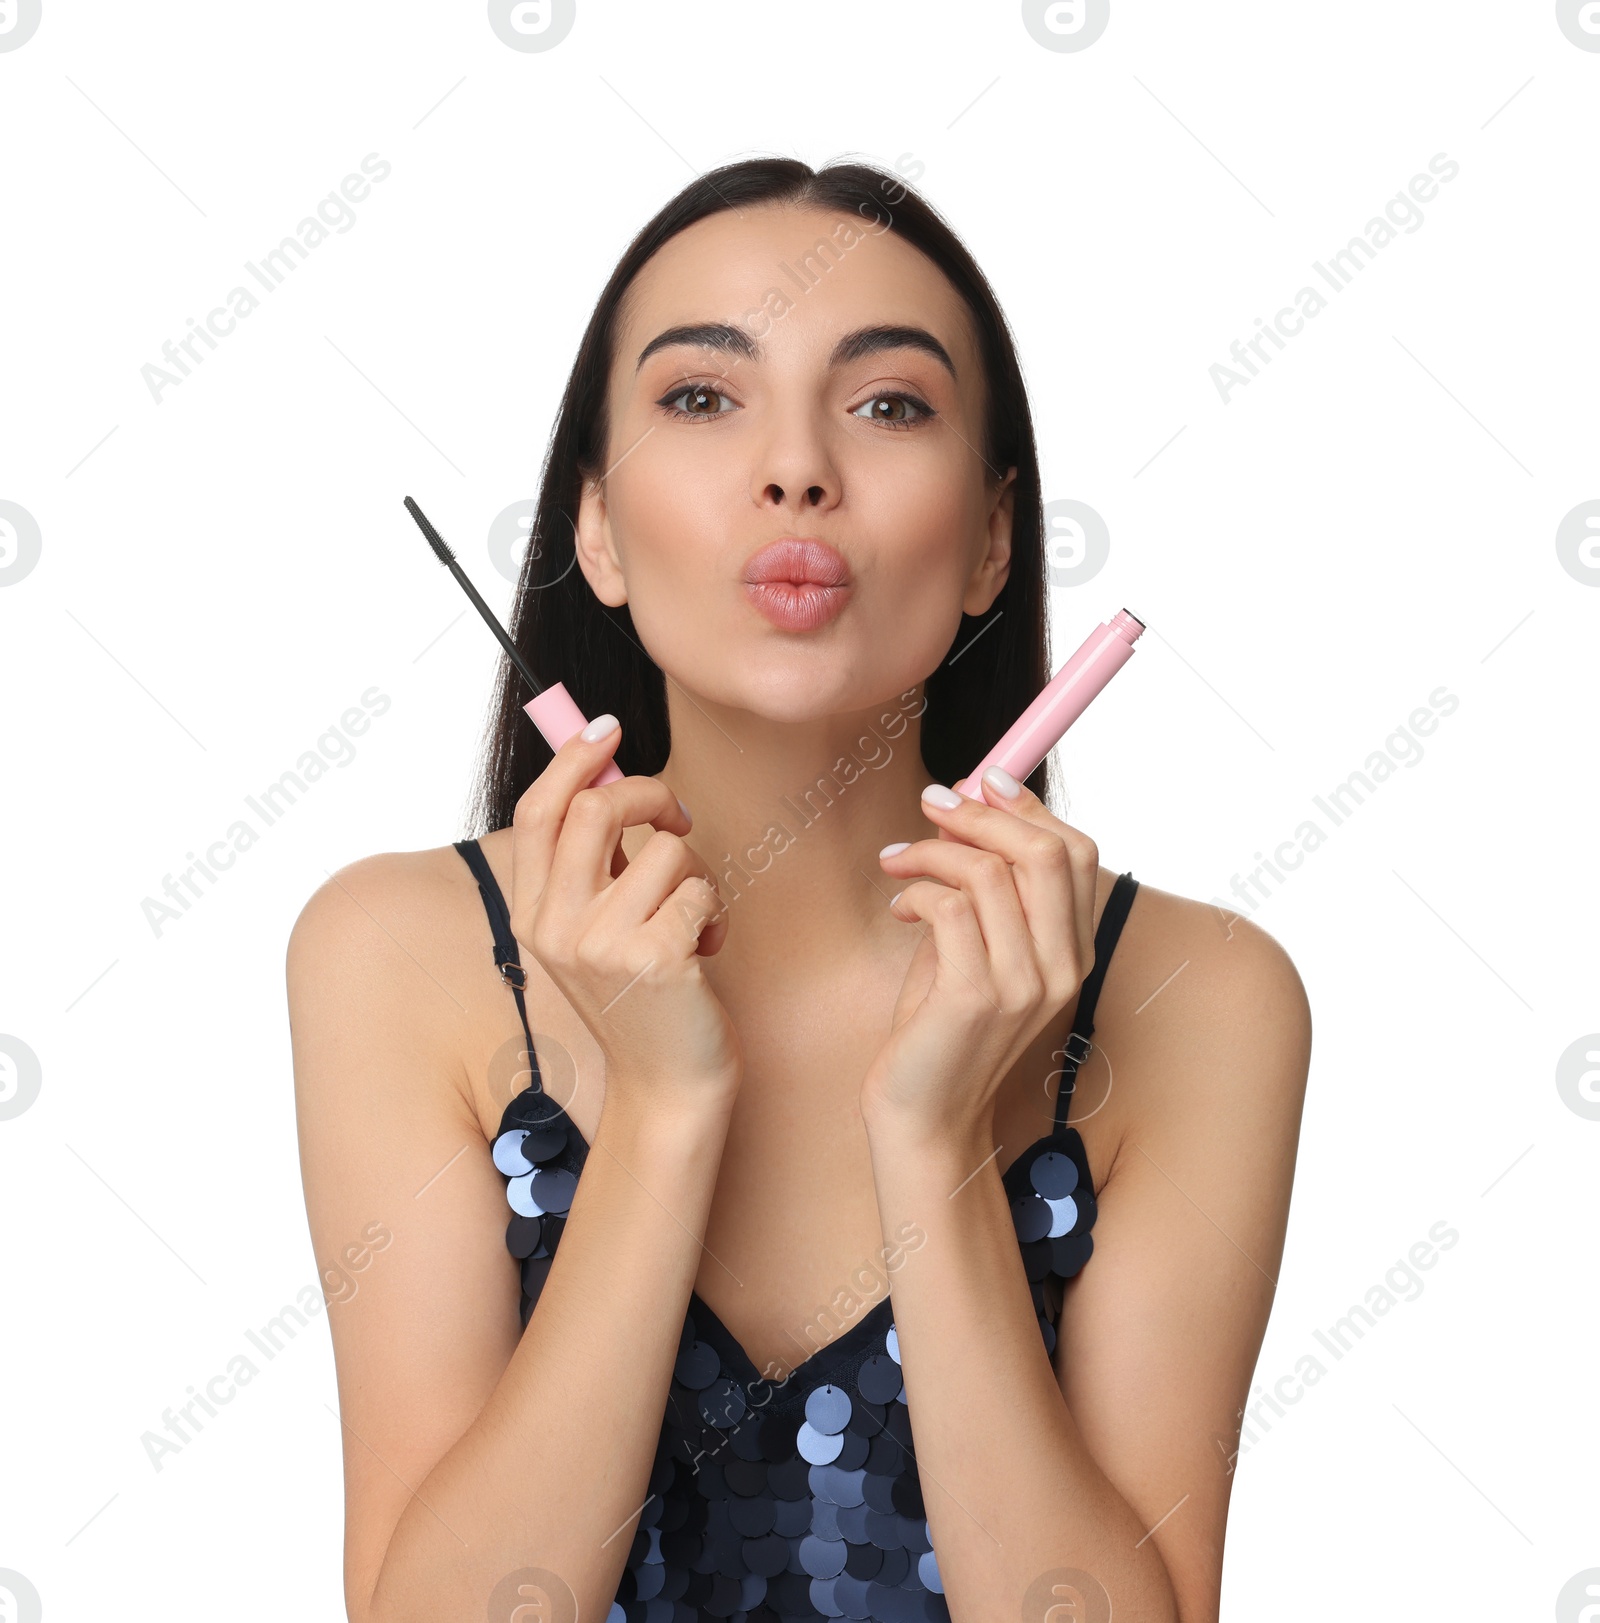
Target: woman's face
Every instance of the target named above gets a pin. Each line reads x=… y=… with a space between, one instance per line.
x=791 y=424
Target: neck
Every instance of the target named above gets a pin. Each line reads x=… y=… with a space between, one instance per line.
x=790 y=818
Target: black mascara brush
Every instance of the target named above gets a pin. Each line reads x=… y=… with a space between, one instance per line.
x=551 y=709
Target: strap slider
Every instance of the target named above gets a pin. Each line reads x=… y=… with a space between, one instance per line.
x=508 y=970
x=1073 y=1058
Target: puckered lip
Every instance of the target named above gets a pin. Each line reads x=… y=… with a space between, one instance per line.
x=800 y=560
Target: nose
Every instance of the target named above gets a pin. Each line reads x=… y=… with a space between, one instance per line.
x=793 y=467
x=811 y=498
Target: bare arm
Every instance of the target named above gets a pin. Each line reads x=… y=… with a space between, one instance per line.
x=1161 y=1332
x=474 y=1450
x=1105 y=1478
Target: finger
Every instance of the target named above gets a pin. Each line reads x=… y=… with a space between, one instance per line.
x=656 y=883
x=543 y=804
x=591 y=832
x=988 y=880
x=1005 y=792
x=542 y=807
x=1047 y=871
x=961 y=971
x=693 y=916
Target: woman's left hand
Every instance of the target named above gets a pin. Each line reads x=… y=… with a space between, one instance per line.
x=1006 y=916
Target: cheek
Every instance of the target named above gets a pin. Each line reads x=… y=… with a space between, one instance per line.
x=669 y=534
x=927 y=533
x=672 y=500
x=924 y=530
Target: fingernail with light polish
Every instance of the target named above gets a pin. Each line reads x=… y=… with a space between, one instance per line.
x=600 y=727
x=684 y=809
x=937 y=795
x=895 y=849
x=999 y=778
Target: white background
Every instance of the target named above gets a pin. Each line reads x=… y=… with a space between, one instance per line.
x=224 y=573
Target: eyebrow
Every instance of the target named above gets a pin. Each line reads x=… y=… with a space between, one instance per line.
x=853 y=346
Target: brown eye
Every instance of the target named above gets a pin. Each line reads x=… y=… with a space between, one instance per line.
x=895 y=410
x=702 y=402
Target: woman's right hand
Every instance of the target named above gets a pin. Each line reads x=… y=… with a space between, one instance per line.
x=623 y=939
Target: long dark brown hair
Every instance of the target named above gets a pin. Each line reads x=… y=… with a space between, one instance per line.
x=990 y=673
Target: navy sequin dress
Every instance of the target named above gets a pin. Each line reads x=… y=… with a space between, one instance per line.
x=796 y=1499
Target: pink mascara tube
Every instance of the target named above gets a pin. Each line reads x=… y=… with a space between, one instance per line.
x=1039 y=728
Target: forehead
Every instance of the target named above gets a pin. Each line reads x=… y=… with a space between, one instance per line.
x=794 y=278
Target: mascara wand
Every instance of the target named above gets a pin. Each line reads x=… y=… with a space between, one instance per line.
x=552 y=709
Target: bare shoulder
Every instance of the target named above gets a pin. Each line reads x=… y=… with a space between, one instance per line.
x=1203 y=1018
x=367 y=898
x=392 y=935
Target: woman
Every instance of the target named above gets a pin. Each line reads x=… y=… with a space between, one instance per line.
x=820 y=1043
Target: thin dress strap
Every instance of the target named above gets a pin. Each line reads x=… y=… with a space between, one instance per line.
x=1078 y=1046
x=506 y=958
